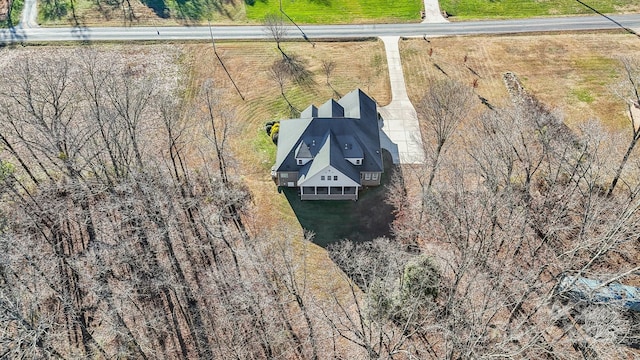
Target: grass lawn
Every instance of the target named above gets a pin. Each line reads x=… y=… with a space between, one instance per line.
x=479 y=9
x=191 y=12
x=338 y=11
x=254 y=153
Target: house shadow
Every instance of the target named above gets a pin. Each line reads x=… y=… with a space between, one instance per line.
x=331 y=221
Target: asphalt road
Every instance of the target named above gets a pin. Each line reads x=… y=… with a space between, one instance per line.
x=577 y=23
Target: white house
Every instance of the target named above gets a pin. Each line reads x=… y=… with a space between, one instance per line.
x=330 y=152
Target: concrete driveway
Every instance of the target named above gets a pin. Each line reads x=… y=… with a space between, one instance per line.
x=432 y=13
x=400 y=130
x=29 y=17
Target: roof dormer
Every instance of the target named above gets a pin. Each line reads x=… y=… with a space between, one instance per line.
x=331 y=109
x=351 y=149
x=303 y=153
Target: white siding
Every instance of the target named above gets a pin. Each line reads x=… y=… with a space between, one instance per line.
x=329 y=174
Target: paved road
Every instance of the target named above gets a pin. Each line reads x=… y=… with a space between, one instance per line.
x=17 y=35
x=400 y=124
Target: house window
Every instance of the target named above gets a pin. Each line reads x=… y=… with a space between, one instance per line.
x=322 y=177
x=350 y=190
x=335 y=178
x=335 y=190
x=358 y=161
x=329 y=177
x=284 y=175
x=299 y=161
x=322 y=190
x=308 y=190
x=374 y=176
x=367 y=176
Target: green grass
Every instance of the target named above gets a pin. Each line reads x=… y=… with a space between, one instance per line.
x=337 y=11
x=53 y=10
x=14 y=15
x=477 y=9
x=266 y=149
x=583 y=95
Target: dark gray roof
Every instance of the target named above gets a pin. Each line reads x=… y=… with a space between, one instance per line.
x=325 y=137
x=303 y=152
x=350 y=147
x=311 y=111
x=331 y=109
x=330 y=153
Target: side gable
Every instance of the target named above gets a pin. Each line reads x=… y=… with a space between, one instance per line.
x=309 y=112
x=358 y=105
x=331 y=109
x=290 y=134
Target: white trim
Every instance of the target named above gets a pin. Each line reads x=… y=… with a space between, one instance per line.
x=316 y=180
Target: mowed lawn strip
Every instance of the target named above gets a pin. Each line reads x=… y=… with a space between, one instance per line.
x=249 y=64
x=509 y=9
x=338 y=11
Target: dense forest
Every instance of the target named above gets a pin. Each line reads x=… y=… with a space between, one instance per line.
x=125 y=233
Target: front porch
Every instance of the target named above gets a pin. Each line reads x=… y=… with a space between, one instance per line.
x=328 y=193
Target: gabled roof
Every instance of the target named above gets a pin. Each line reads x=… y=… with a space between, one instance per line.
x=331 y=109
x=329 y=154
x=303 y=151
x=351 y=131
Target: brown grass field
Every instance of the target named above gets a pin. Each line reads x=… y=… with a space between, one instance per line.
x=574 y=74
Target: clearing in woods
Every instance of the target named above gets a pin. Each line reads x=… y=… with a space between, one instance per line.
x=573 y=73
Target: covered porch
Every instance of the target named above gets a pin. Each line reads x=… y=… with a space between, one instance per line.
x=329 y=193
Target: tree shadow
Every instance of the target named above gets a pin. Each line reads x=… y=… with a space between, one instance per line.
x=296 y=69
x=331 y=221
x=159 y=7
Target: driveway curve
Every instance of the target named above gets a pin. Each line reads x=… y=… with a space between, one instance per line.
x=400 y=130
x=29 y=18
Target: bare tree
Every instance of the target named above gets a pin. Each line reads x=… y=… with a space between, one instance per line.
x=629 y=91
x=280 y=74
x=274 y=26
x=446 y=104
x=328 y=66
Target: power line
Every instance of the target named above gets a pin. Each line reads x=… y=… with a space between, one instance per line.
x=304 y=36
x=630 y=31
x=215 y=51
